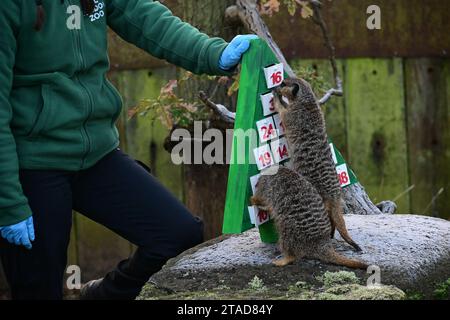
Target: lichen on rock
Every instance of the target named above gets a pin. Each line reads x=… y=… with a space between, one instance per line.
x=359 y=292
x=331 y=279
x=341 y=285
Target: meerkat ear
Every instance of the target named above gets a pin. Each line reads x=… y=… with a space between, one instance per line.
x=295 y=89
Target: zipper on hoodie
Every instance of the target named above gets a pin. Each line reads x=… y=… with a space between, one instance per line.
x=82 y=67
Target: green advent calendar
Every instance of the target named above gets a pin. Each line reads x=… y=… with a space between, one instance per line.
x=260 y=73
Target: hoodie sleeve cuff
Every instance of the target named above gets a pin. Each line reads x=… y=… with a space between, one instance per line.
x=13 y=215
x=216 y=49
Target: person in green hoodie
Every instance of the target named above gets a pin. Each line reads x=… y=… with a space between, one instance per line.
x=59 y=147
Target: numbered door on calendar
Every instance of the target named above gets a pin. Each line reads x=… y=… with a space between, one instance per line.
x=273 y=148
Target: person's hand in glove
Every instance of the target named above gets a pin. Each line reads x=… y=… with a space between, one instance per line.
x=232 y=54
x=20 y=234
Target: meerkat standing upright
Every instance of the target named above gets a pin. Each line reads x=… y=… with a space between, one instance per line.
x=310 y=152
x=300 y=218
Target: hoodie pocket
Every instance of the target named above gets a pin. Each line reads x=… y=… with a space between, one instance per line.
x=118 y=103
x=43 y=114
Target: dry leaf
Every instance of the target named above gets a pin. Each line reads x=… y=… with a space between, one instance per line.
x=132 y=112
x=167 y=90
x=269 y=7
x=189 y=107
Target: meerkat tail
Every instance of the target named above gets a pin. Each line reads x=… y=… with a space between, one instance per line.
x=333 y=228
x=335 y=211
x=327 y=205
x=331 y=256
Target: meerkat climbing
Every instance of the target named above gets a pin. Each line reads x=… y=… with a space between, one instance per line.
x=310 y=152
x=300 y=218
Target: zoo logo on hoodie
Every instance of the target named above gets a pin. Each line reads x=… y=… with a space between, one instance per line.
x=99 y=11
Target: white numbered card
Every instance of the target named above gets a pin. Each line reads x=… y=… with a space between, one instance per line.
x=343 y=175
x=268 y=104
x=333 y=154
x=274 y=75
x=280 y=150
x=266 y=129
x=279 y=125
x=252 y=215
x=254 y=182
x=259 y=216
x=263 y=157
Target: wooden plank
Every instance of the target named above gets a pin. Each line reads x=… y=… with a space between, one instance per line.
x=428 y=110
x=374 y=96
x=410 y=28
x=334 y=110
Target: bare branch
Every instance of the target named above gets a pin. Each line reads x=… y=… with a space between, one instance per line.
x=433 y=200
x=329 y=94
x=318 y=19
x=220 y=110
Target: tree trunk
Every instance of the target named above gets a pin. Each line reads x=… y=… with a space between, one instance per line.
x=205 y=185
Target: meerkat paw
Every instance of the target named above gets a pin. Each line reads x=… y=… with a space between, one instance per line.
x=283 y=261
x=267 y=209
x=256 y=201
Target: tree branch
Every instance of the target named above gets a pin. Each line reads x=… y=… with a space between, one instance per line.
x=221 y=111
x=318 y=19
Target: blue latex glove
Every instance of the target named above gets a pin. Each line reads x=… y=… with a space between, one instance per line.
x=232 y=54
x=20 y=234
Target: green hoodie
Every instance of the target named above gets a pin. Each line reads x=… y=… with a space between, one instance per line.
x=57 y=109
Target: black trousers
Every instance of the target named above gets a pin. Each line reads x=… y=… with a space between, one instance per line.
x=117 y=193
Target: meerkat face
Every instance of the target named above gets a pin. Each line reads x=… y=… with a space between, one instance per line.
x=286 y=93
x=293 y=93
x=289 y=89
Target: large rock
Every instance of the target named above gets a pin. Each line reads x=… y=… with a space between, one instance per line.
x=412 y=252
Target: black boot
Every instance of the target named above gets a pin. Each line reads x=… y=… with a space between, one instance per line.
x=125 y=282
x=88 y=291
